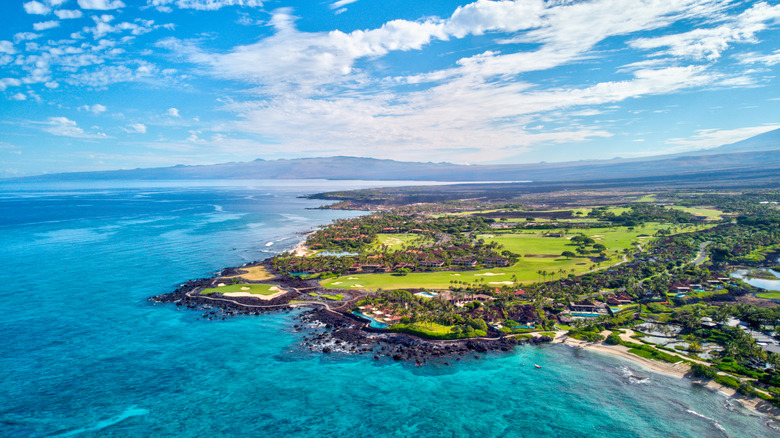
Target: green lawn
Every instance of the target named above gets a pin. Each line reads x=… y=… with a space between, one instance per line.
x=646 y=198
x=524 y=271
x=259 y=289
x=394 y=242
x=433 y=330
x=710 y=213
x=772 y=295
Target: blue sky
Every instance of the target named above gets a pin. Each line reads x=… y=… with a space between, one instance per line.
x=109 y=84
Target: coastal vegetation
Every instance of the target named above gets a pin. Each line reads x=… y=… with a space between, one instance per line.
x=650 y=274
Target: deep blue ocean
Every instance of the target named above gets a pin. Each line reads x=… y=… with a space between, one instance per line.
x=83 y=353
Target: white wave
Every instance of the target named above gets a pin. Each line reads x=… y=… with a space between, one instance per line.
x=269 y=244
x=633 y=379
x=711 y=420
x=102 y=424
x=218 y=208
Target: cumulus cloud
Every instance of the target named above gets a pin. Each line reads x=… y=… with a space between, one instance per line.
x=19 y=96
x=36 y=8
x=65 y=14
x=94 y=109
x=7 y=47
x=64 y=127
x=136 y=128
x=45 y=25
x=25 y=36
x=101 y=5
x=172 y=112
x=9 y=82
x=202 y=5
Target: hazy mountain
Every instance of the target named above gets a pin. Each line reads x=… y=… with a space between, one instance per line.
x=759 y=153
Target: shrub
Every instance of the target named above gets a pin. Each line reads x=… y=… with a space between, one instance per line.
x=613 y=339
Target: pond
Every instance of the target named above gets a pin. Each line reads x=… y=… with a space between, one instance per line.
x=759 y=282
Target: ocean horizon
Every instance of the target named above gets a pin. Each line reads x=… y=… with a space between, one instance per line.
x=84 y=353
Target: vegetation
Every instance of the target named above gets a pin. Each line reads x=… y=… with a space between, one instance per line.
x=258 y=289
x=502 y=268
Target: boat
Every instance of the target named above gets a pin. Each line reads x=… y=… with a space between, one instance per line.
x=537 y=366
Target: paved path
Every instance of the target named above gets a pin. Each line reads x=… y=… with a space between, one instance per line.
x=702 y=254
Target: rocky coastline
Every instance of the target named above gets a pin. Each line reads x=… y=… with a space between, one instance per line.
x=332 y=328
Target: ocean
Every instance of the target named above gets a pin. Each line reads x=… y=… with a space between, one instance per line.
x=83 y=353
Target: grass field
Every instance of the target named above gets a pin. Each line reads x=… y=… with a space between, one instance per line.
x=523 y=272
x=394 y=242
x=773 y=295
x=710 y=213
x=646 y=198
x=256 y=289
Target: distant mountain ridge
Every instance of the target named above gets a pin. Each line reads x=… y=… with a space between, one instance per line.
x=759 y=153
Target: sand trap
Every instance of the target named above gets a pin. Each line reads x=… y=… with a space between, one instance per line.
x=490 y=274
x=597 y=235
x=258 y=296
x=245 y=288
x=501 y=282
x=352 y=278
x=357 y=285
x=337 y=282
x=455 y=275
x=220 y=284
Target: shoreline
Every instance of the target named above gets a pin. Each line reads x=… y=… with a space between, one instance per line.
x=680 y=371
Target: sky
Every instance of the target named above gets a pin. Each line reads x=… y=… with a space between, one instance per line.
x=115 y=84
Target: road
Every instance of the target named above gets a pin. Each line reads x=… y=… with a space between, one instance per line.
x=702 y=254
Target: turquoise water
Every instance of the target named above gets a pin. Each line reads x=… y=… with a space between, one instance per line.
x=760 y=282
x=84 y=354
x=372 y=322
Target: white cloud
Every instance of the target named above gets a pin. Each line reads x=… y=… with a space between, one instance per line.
x=64 y=127
x=7 y=47
x=172 y=112
x=338 y=4
x=9 y=82
x=36 y=8
x=95 y=109
x=114 y=74
x=19 y=96
x=757 y=58
x=24 y=36
x=65 y=14
x=136 y=128
x=46 y=25
x=202 y=5
x=102 y=5
x=710 y=43
x=711 y=138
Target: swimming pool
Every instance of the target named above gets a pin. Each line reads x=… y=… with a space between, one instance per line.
x=372 y=322
x=586 y=315
x=426 y=294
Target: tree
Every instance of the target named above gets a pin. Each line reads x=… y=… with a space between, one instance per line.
x=568 y=254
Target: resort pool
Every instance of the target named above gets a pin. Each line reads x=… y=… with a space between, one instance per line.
x=372 y=322
x=337 y=254
x=586 y=315
x=426 y=294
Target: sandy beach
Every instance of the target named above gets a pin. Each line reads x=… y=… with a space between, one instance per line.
x=678 y=370
x=301 y=250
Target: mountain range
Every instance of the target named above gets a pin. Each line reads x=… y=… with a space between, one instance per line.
x=756 y=155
